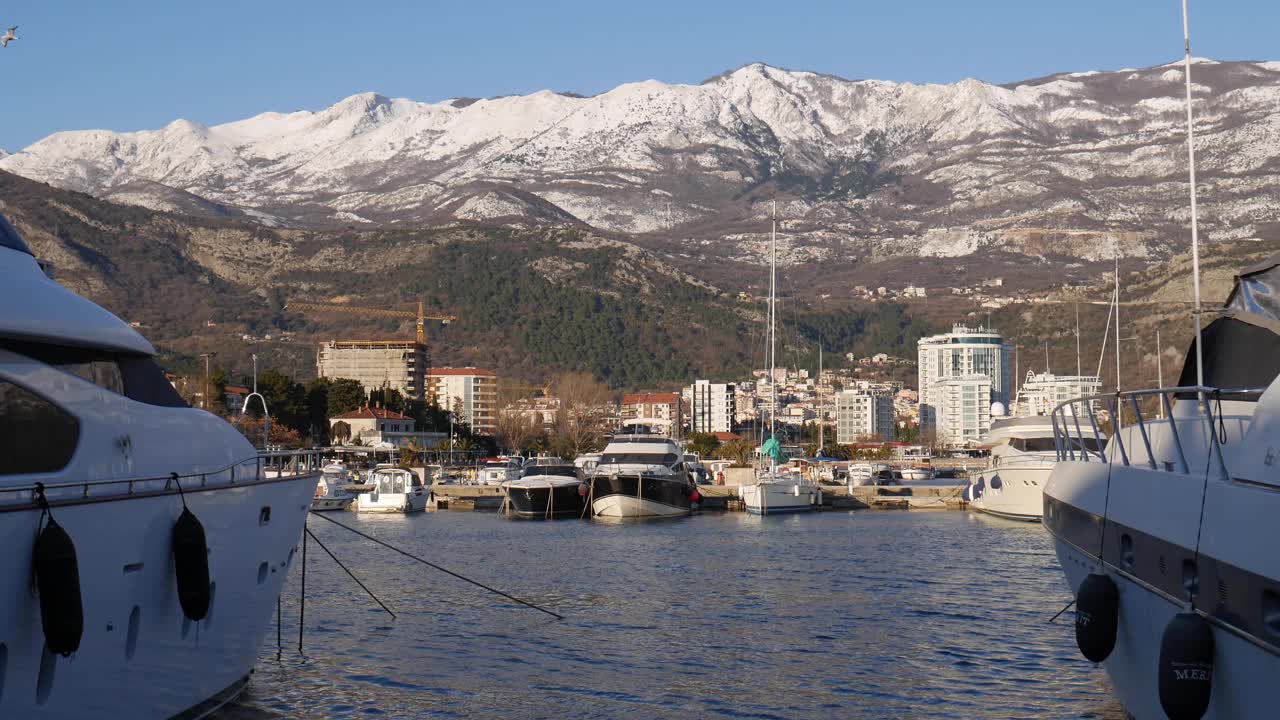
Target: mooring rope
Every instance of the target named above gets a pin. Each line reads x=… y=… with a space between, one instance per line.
x=429 y=564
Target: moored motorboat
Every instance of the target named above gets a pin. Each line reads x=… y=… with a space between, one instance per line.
x=641 y=475
x=332 y=491
x=395 y=490
x=1023 y=453
x=548 y=488
x=181 y=537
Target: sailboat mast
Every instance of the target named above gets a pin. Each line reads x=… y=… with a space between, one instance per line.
x=773 y=316
x=822 y=431
x=1079 y=370
x=1195 y=226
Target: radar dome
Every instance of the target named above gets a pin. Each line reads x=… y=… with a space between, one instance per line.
x=997 y=409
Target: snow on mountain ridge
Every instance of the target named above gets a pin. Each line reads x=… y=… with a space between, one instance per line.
x=648 y=156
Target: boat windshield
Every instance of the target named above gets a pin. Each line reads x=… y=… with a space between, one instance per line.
x=566 y=470
x=638 y=459
x=396 y=482
x=1048 y=445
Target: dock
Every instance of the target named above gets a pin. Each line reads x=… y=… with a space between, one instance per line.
x=725 y=497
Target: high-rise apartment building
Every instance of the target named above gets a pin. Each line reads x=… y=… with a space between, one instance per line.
x=963 y=352
x=470 y=392
x=711 y=406
x=864 y=415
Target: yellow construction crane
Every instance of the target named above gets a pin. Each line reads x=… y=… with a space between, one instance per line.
x=420 y=316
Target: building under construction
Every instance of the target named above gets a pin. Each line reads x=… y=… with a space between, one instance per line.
x=396 y=364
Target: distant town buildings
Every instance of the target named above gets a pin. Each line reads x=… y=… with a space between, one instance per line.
x=380 y=427
x=965 y=353
x=1041 y=393
x=711 y=406
x=375 y=364
x=863 y=415
x=653 y=406
x=470 y=392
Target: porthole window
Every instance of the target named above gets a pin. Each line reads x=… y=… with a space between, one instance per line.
x=36 y=436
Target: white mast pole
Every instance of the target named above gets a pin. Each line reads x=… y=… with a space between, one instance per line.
x=1195 y=229
x=1079 y=370
x=773 y=314
x=1117 y=303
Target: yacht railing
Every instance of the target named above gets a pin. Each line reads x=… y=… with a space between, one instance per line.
x=272 y=464
x=1076 y=423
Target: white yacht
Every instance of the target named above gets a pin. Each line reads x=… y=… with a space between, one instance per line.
x=641 y=474
x=146 y=542
x=395 y=490
x=333 y=492
x=1168 y=535
x=775 y=492
x=1023 y=453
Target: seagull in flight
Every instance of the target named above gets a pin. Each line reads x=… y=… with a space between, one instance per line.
x=11 y=35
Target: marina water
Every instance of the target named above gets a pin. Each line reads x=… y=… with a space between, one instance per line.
x=837 y=614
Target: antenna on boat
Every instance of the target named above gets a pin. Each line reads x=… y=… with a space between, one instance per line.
x=1195 y=227
x=773 y=317
x=1117 y=304
x=1079 y=370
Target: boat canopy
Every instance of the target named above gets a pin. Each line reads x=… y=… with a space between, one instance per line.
x=1242 y=348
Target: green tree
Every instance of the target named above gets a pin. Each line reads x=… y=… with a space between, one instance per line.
x=389 y=398
x=704 y=444
x=318 y=410
x=344 y=395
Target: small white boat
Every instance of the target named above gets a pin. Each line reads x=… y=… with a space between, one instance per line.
x=333 y=489
x=394 y=490
x=917 y=473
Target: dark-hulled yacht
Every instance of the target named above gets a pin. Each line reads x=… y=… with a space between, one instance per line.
x=548 y=488
x=641 y=473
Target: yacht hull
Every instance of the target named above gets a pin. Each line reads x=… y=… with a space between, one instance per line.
x=391 y=502
x=564 y=501
x=622 y=496
x=139 y=657
x=776 y=498
x=1148 y=550
x=1013 y=493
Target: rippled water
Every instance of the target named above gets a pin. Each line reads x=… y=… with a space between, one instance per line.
x=854 y=615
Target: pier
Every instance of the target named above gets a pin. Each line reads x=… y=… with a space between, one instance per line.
x=725 y=497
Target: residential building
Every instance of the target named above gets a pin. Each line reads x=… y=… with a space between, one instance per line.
x=711 y=406
x=863 y=415
x=1041 y=393
x=961 y=409
x=395 y=364
x=470 y=392
x=380 y=427
x=653 y=406
x=963 y=352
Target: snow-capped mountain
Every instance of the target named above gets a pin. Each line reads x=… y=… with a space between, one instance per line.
x=1062 y=165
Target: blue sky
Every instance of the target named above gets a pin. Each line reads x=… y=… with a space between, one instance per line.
x=142 y=63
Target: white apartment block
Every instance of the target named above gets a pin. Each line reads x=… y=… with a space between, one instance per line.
x=473 y=393
x=1041 y=393
x=375 y=364
x=711 y=406
x=963 y=352
x=864 y=415
x=962 y=409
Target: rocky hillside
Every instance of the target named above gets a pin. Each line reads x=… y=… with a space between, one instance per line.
x=1055 y=171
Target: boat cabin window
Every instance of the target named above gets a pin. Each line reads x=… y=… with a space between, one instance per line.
x=638 y=459
x=391 y=483
x=36 y=436
x=136 y=377
x=9 y=237
x=1033 y=444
